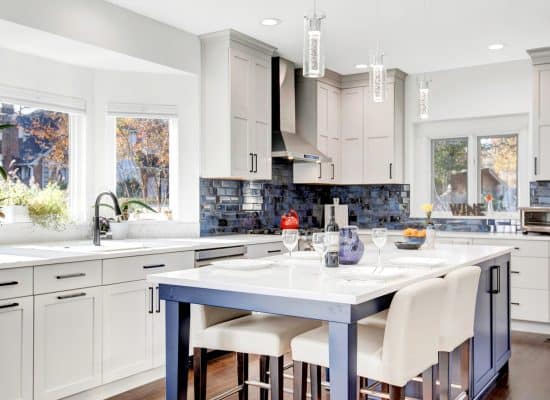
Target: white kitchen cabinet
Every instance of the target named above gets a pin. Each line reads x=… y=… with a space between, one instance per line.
x=128 y=310
x=541 y=113
x=352 y=136
x=16 y=349
x=67 y=343
x=236 y=90
x=265 y=250
x=318 y=121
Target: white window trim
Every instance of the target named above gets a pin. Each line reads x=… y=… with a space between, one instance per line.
x=472 y=128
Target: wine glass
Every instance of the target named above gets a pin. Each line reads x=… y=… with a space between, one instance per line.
x=290 y=239
x=379 y=238
x=318 y=243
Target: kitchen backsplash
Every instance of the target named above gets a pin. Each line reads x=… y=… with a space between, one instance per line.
x=231 y=206
x=540 y=193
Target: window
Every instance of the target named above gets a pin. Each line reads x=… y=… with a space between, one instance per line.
x=466 y=169
x=34 y=144
x=142 y=160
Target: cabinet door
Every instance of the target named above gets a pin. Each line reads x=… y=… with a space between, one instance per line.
x=351 y=165
x=127 y=329
x=260 y=139
x=67 y=343
x=307 y=172
x=159 y=329
x=541 y=114
x=483 y=362
x=240 y=65
x=16 y=325
x=332 y=169
x=501 y=303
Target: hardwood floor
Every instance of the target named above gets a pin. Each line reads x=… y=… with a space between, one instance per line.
x=528 y=378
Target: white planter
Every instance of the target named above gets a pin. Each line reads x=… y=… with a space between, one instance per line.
x=16 y=214
x=119 y=230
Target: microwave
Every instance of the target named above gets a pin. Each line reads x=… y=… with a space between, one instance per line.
x=535 y=219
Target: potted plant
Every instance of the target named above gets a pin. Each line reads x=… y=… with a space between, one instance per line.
x=48 y=207
x=119 y=227
x=14 y=200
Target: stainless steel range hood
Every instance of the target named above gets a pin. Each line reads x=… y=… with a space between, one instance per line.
x=285 y=141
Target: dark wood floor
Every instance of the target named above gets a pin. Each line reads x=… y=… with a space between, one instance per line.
x=528 y=379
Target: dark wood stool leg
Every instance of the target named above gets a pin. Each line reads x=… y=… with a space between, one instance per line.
x=397 y=393
x=315 y=376
x=300 y=380
x=444 y=375
x=242 y=374
x=264 y=377
x=199 y=372
x=276 y=379
x=465 y=373
x=429 y=387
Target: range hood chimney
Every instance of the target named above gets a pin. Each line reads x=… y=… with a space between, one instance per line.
x=285 y=141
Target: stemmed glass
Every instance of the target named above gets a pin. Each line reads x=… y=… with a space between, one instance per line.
x=379 y=238
x=290 y=239
x=318 y=243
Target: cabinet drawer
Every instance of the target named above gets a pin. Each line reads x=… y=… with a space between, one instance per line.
x=530 y=305
x=521 y=248
x=125 y=269
x=59 y=277
x=15 y=282
x=265 y=250
x=529 y=273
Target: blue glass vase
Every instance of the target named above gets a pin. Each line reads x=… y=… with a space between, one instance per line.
x=351 y=247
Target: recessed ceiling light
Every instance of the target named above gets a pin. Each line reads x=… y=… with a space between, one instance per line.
x=496 y=46
x=271 y=21
x=361 y=66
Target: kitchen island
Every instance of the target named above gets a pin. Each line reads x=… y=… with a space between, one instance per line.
x=299 y=287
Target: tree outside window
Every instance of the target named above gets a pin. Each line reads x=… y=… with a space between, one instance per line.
x=142 y=148
x=449 y=172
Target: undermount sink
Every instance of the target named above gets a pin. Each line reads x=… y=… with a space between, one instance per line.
x=87 y=247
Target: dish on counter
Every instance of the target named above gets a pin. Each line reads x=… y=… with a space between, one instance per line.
x=408 y=245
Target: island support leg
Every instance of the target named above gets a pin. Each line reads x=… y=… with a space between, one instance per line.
x=177 y=349
x=343 y=360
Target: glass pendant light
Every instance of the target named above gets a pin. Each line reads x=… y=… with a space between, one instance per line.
x=314 y=51
x=423 y=98
x=377 y=77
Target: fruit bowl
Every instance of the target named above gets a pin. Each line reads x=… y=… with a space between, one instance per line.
x=414 y=236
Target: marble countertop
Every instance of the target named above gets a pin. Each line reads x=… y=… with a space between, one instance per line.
x=44 y=253
x=302 y=277
x=474 y=235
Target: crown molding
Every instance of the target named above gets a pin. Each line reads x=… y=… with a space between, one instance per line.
x=540 y=55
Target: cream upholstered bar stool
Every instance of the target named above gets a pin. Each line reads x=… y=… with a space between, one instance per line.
x=456 y=330
x=244 y=333
x=392 y=354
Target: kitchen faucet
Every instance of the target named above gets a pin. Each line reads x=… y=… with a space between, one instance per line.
x=97 y=232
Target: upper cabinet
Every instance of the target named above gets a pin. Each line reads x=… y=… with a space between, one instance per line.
x=236 y=99
x=541 y=113
x=318 y=105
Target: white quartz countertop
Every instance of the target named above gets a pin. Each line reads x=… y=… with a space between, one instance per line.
x=474 y=235
x=35 y=254
x=302 y=277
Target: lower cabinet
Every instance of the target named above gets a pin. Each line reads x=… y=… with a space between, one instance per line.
x=67 y=343
x=16 y=358
x=133 y=329
x=491 y=343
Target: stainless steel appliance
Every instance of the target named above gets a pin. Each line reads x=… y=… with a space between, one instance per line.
x=206 y=257
x=535 y=219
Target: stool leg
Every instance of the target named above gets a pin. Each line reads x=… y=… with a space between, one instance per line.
x=397 y=393
x=276 y=365
x=444 y=375
x=315 y=376
x=300 y=380
x=242 y=374
x=264 y=377
x=199 y=372
x=428 y=384
x=465 y=373
x=384 y=387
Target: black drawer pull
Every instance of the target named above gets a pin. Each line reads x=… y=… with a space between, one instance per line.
x=71 y=296
x=68 y=276
x=158 y=300
x=515 y=304
x=12 y=283
x=152 y=266
x=515 y=272
x=274 y=251
x=9 y=305
x=152 y=300
x=517 y=248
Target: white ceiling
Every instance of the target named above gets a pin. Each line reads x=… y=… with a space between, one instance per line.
x=416 y=35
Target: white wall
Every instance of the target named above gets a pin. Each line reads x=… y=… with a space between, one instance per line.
x=462 y=94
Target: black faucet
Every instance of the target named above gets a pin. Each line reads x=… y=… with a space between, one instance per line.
x=97 y=233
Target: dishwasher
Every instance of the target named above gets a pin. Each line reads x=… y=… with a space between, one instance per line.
x=206 y=257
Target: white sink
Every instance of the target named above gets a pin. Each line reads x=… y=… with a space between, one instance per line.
x=88 y=247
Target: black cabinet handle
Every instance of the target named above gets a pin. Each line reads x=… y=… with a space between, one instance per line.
x=152 y=266
x=152 y=300
x=11 y=283
x=320 y=171
x=517 y=248
x=274 y=251
x=256 y=160
x=69 y=276
x=251 y=162
x=9 y=305
x=536 y=165
x=391 y=170
x=332 y=171
x=493 y=290
x=71 y=296
x=515 y=304
x=158 y=300
x=515 y=272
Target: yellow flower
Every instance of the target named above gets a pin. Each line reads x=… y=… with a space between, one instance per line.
x=427 y=208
